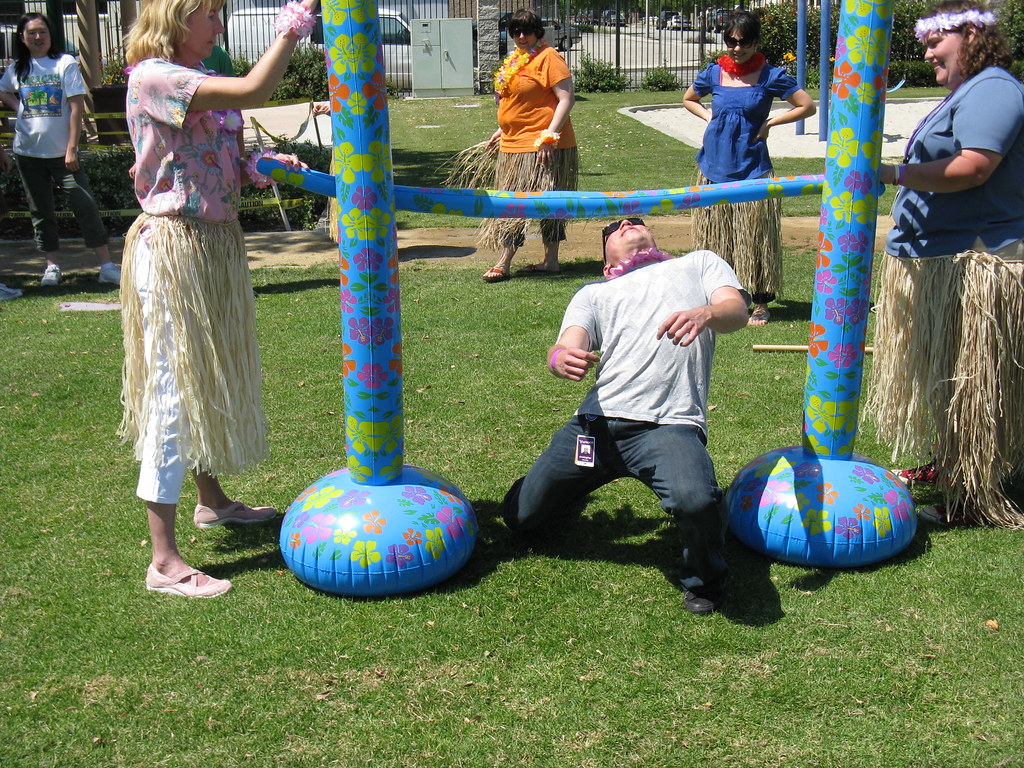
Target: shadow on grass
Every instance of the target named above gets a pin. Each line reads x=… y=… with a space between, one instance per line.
x=293 y=286
x=618 y=536
x=785 y=311
x=623 y=537
x=820 y=578
x=71 y=287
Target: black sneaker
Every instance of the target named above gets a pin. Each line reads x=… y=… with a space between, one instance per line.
x=697 y=604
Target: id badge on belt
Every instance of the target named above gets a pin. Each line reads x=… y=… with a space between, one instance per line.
x=586 y=445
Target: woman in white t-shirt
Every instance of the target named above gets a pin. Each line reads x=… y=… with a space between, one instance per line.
x=45 y=88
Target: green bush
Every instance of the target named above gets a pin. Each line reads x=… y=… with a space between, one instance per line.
x=905 y=47
x=918 y=74
x=597 y=76
x=659 y=79
x=308 y=213
x=107 y=171
x=241 y=65
x=305 y=77
x=778 y=34
x=1017 y=70
x=1011 y=18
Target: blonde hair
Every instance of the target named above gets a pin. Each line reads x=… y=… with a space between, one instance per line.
x=161 y=26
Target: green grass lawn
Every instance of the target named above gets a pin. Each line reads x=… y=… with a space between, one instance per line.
x=617 y=152
x=569 y=650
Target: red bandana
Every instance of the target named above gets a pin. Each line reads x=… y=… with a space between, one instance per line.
x=728 y=63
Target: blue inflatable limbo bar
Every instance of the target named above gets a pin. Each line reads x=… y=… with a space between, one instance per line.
x=480 y=203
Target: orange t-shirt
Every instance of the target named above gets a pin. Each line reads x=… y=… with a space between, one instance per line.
x=527 y=109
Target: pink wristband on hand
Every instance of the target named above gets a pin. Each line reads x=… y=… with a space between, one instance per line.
x=554 y=358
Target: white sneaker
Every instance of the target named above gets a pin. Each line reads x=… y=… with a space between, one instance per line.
x=51 y=276
x=6 y=294
x=110 y=273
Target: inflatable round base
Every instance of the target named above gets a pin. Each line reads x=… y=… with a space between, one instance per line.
x=348 y=538
x=836 y=513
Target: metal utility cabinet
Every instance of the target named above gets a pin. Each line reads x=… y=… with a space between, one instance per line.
x=442 y=57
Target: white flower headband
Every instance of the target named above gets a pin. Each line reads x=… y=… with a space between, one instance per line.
x=947 y=22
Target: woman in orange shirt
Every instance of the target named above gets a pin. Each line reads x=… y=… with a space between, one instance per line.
x=536 y=143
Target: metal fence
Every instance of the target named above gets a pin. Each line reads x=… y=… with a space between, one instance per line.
x=632 y=42
x=107 y=22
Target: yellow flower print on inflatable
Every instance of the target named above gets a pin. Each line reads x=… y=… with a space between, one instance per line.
x=354 y=54
x=349 y=162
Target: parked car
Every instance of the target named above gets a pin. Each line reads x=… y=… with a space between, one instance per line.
x=562 y=36
x=674 y=23
x=717 y=18
x=250 y=30
x=611 y=19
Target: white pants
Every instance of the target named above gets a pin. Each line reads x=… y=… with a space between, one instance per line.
x=162 y=472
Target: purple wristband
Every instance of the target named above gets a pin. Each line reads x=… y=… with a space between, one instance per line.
x=554 y=357
x=901 y=172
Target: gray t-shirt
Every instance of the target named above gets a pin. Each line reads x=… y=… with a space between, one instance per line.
x=641 y=377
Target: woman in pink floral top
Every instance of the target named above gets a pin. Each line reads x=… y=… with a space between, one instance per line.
x=192 y=382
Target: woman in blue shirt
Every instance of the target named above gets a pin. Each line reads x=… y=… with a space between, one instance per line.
x=948 y=371
x=743 y=87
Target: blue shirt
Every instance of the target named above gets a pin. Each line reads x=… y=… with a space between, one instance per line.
x=730 y=151
x=985 y=112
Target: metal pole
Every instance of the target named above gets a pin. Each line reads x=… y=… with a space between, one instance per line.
x=801 y=54
x=824 y=70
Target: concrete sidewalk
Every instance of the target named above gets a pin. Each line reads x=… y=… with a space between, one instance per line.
x=901 y=118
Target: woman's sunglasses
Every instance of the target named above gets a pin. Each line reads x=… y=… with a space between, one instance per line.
x=614 y=227
x=731 y=42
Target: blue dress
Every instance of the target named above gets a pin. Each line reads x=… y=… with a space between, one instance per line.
x=729 y=151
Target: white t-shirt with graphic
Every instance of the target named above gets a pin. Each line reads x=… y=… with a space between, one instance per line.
x=44 y=115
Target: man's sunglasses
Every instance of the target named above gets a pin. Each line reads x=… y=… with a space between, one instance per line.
x=614 y=227
x=515 y=30
x=732 y=41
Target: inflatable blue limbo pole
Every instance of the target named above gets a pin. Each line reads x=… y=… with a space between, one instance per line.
x=819 y=503
x=376 y=527
x=380 y=527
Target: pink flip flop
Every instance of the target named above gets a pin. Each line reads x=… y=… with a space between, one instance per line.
x=235 y=513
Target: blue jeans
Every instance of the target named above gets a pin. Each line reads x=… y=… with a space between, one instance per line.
x=671 y=460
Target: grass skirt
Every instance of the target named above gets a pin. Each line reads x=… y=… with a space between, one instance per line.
x=748 y=236
x=521 y=172
x=947 y=378
x=200 y=279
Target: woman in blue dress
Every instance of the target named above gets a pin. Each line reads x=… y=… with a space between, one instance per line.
x=743 y=86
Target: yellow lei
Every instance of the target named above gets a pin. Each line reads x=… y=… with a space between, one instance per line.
x=513 y=63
